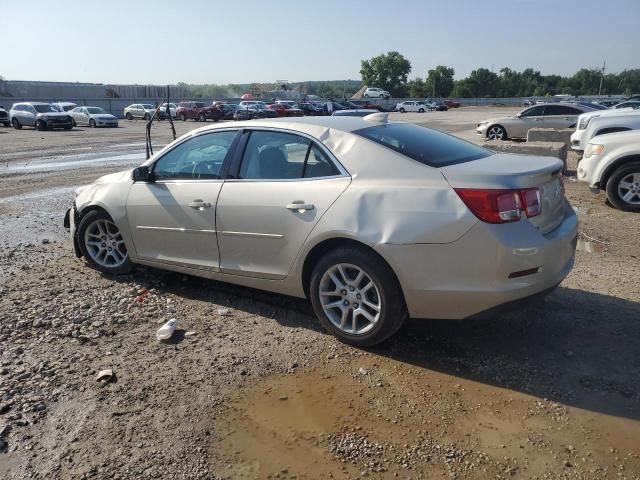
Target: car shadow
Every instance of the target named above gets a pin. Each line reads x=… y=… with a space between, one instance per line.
x=574 y=347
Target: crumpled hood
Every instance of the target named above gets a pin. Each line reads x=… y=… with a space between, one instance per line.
x=125 y=175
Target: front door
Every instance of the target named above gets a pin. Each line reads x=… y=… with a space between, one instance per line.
x=530 y=118
x=172 y=218
x=282 y=187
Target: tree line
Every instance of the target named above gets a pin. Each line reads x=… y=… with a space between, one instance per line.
x=390 y=71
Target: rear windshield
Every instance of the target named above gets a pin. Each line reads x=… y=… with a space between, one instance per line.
x=424 y=145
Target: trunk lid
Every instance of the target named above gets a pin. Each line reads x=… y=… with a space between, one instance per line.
x=512 y=171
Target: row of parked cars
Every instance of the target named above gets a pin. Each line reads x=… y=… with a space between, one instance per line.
x=608 y=140
x=49 y=116
x=425 y=106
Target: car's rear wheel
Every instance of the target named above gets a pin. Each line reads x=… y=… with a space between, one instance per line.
x=73 y=122
x=496 y=132
x=16 y=124
x=92 y=123
x=421 y=110
x=402 y=110
x=128 y=116
x=357 y=297
x=623 y=188
x=102 y=245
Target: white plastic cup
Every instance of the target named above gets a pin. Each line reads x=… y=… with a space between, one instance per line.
x=166 y=331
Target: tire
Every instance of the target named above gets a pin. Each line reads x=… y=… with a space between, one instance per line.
x=366 y=95
x=92 y=123
x=216 y=118
x=623 y=188
x=98 y=227
x=41 y=126
x=128 y=116
x=147 y=117
x=381 y=96
x=182 y=117
x=202 y=117
x=7 y=124
x=421 y=110
x=402 y=110
x=69 y=127
x=16 y=124
x=386 y=293
x=73 y=122
x=496 y=132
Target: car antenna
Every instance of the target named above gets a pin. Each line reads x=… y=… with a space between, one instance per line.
x=149 y=146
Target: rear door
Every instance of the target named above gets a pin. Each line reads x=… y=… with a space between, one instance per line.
x=560 y=116
x=172 y=218
x=282 y=185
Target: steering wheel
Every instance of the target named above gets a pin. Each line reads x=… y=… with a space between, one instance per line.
x=203 y=168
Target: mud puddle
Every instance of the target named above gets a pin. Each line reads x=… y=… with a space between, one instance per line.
x=389 y=420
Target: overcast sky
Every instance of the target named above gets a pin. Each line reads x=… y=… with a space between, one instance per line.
x=197 y=41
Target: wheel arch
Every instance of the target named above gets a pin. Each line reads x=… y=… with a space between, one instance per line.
x=615 y=165
x=320 y=249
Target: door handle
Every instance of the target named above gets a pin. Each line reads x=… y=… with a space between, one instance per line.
x=300 y=206
x=199 y=204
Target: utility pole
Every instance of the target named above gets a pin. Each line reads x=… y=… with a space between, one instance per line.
x=604 y=65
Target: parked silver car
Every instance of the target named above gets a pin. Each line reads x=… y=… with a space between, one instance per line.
x=143 y=110
x=547 y=115
x=93 y=116
x=40 y=115
x=374 y=221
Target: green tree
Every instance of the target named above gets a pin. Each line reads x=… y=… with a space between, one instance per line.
x=442 y=77
x=418 y=88
x=388 y=71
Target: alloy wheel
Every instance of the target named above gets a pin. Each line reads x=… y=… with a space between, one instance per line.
x=629 y=188
x=350 y=298
x=495 y=133
x=105 y=244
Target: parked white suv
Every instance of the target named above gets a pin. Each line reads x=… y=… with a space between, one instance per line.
x=601 y=125
x=411 y=107
x=611 y=163
x=577 y=142
x=373 y=92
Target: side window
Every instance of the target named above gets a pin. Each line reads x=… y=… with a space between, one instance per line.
x=274 y=156
x=534 y=111
x=318 y=165
x=199 y=158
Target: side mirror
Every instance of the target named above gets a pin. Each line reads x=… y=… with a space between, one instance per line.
x=142 y=174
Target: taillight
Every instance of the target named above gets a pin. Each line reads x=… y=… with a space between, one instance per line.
x=501 y=206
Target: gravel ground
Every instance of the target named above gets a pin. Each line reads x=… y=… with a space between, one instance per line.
x=251 y=387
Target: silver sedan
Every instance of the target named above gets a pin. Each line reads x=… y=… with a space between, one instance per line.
x=373 y=221
x=93 y=116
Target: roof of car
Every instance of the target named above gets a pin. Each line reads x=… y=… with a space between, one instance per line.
x=32 y=103
x=341 y=123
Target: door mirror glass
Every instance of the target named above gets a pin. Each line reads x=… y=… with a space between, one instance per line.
x=141 y=174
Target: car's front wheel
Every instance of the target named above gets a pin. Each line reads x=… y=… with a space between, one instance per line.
x=421 y=110
x=402 y=110
x=496 y=132
x=102 y=245
x=357 y=297
x=623 y=188
x=16 y=124
x=92 y=123
x=128 y=116
x=41 y=126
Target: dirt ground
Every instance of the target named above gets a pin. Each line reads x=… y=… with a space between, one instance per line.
x=250 y=386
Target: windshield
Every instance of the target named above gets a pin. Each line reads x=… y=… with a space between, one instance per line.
x=424 y=145
x=44 y=108
x=95 y=110
x=148 y=106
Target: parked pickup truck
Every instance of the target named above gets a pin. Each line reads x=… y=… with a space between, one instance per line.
x=198 y=111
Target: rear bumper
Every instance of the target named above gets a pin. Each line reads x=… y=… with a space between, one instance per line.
x=463 y=278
